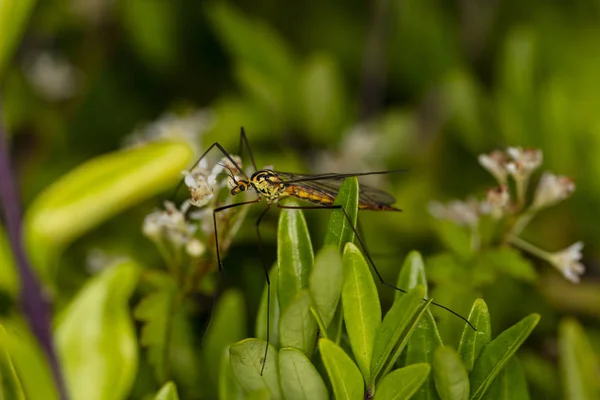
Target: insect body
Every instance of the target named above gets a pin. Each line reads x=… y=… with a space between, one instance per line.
x=320 y=190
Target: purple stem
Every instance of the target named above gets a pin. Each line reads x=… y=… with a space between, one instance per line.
x=35 y=307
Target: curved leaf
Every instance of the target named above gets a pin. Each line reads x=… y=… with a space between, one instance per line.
x=339 y=231
x=451 y=377
x=246 y=359
x=10 y=386
x=510 y=384
x=472 y=343
x=297 y=326
x=298 y=377
x=395 y=332
x=95 y=191
x=411 y=274
x=362 y=312
x=425 y=339
x=95 y=336
x=294 y=255
x=577 y=361
x=325 y=283
x=167 y=392
x=497 y=353
x=14 y=15
x=30 y=361
x=344 y=376
x=402 y=383
x=274 y=312
x=228 y=325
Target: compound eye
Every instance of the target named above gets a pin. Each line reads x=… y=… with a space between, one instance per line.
x=242 y=188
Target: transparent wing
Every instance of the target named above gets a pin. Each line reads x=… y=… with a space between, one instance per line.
x=329 y=184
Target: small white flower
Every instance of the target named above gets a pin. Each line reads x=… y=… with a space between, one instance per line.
x=524 y=162
x=568 y=262
x=169 y=224
x=552 y=189
x=52 y=76
x=199 y=189
x=496 y=202
x=459 y=212
x=195 y=248
x=495 y=164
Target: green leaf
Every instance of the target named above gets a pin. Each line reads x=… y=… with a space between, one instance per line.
x=152 y=29
x=297 y=326
x=411 y=274
x=511 y=262
x=10 y=386
x=95 y=336
x=251 y=41
x=340 y=231
x=229 y=388
x=167 y=392
x=510 y=384
x=14 y=15
x=472 y=343
x=325 y=283
x=425 y=339
x=577 y=362
x=295 y=256
x=9 y=282
x=298 y=377
x=321 y=101
x=156 y=311
x=274 y=312
x=29 y=361
x=228 y=325
x=451 y=377
x=344 y=376
x=246 y=359
x=362 y=312
x=395 y=331
x=402 y=383
x=94 y=192
x=496 y=354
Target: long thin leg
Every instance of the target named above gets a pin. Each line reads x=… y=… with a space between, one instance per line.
x=225 y=153
x=360 y=241
x=244 y=141
x=215 y=211
x=266 y=269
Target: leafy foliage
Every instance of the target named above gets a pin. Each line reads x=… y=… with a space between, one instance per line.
x=325 y=79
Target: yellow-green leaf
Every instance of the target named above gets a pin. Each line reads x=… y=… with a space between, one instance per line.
x=167 y=392
x=362 y=311
x=402 y=383
x=95 y=191
x=343 y=374
x=95 y=336
x=10 y=386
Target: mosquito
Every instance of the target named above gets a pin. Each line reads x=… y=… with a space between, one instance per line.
x=320 y=190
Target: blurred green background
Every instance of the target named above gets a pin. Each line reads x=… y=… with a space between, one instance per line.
x=336 y=86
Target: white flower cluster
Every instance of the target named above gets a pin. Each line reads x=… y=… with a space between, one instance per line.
x=519 y=164
x=170 y=227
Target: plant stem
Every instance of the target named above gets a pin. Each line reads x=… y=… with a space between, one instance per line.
x=35 y=307
x=528 y=247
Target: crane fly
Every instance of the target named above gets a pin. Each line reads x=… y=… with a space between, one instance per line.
x=320 y=190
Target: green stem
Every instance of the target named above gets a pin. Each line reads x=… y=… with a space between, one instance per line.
x=528 y=247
